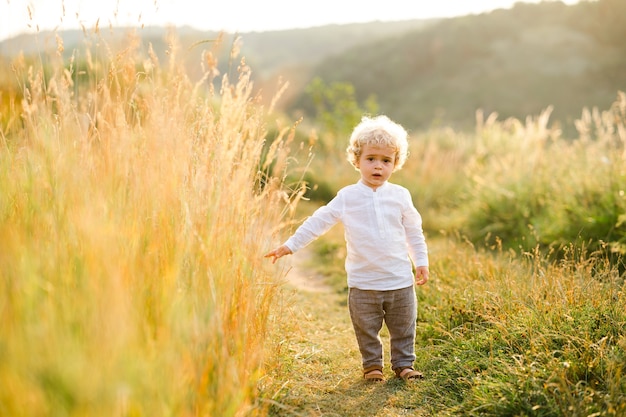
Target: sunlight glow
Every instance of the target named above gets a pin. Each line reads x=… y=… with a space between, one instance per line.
x=31 y=16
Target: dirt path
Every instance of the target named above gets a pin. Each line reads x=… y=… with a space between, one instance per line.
x=322 y=365
x=303 y=277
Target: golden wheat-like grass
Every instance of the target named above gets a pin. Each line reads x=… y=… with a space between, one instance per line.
x=134 y=212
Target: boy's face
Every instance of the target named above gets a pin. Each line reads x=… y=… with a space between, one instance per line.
x=376 y=164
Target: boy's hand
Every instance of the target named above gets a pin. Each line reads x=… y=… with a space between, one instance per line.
x=278 y=253
x=421 y=275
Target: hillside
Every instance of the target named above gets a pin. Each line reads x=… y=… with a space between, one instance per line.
x=266 y=52
x=286 y=54
x=514 y=62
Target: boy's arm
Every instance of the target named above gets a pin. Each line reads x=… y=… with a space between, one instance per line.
x=317 y=224
x=418 y=250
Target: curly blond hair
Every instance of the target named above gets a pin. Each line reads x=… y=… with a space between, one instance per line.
x=378 y=131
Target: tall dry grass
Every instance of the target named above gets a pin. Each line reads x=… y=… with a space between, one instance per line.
x=134 y=210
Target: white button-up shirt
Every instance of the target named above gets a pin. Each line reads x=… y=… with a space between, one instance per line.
x=383 y=232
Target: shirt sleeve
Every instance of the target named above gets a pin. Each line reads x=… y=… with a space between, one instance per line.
x=412 y=221
x=316 y=225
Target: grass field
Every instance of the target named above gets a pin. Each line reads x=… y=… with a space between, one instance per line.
x=135 y=207
x=498 y=334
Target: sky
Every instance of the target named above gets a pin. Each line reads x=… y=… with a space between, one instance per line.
x=32 y=16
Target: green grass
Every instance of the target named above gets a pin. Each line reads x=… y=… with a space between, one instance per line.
x=499 y=334
x=525 y=311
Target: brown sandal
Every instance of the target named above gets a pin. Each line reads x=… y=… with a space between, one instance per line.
x=373 y=375
x=408 y=374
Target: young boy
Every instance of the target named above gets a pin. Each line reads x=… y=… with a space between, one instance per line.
x=385 y=243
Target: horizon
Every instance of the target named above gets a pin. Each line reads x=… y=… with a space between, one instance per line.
x=21 y=17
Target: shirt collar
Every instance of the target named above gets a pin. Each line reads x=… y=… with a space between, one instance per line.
x=363 y=185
